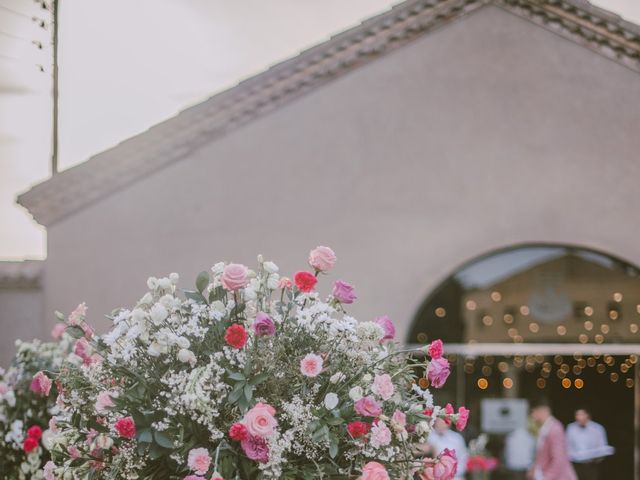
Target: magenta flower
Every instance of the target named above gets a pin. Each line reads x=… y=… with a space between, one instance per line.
x=263 y=326
x=367 y=407
x=388 y=327
x=343 y=292
x=256 y=449
x=438 y=371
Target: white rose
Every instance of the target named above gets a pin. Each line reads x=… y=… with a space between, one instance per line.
x=174 y=277
x=366 y=378
x=273 y=282
x=138 y=315
x=355 y=393
x=156 y=349
x=218 y=306
x=147 y=299
x=250 y=294
x=186 y=356
x=422 y=428
x=331 y=401
x=152 y=283
x=260 y=258
x=164 y=283
x=183 y=342
x=158 y=313
x=270 y=267
x=337 y=377
x=218 y=268
x=104 y=441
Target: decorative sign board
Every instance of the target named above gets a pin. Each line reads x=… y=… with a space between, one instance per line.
x=502 y=415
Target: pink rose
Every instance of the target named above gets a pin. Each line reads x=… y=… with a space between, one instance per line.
x=380 y=435
x=438 y=371
x=383 y=386
x=234 y=277
x=4 y=388
x=41 y=384
x=388 y=327
x=435 y=349
x=82 y=349
x=374 y=471
x=398 y=420
x=311 y=365
x=76 y=317
x=199 y=460
x=260 y=420
x=443 y=468
x=343 y=292
x=463 y=417
x=256 y=449
x=125 y=427
x=73 y=452
x=322 y=259
x=49 y=469
x=263 y=325
x=367 y=407
x=58 y=331
x=103 y=402
x=285 y=283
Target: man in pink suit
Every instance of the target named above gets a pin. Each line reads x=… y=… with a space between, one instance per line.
x=552 y=459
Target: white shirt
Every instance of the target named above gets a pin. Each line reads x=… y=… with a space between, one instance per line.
x=587 y=443
x=452 y=441
x=519 y=450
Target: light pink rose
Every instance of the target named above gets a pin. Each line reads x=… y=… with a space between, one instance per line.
x=58 y=331
x=399 y=420
x=388 y=327
x=374 y=471
x=48 y=470
x=4 y=388
x=235 y=276
x=380 y=435
x=383 y=386
x=322 y=258
x=73 y=452
x=103 y=402
x=443 y=468
x=41 y=384
x=82 y=349
x=76 y=317
x=260 y=420
x=311 y=365
x=199 y=460
x=367 y=407
x=53 y=424
x=438 y=371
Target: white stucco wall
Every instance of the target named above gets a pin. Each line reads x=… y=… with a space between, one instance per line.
x=488 y=132
x=21 y=316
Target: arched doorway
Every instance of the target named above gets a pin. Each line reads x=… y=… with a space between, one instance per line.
x=554 y=321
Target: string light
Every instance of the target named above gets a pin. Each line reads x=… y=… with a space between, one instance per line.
x=471 y=305
x=578 y=383
x=566 y=383
x=562 y=330
x=507 y=383
x=617 y=297
x=440 y=312
x=483 y=383
x=524 y=310
x=496 y=296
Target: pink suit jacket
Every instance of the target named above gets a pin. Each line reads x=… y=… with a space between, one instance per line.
x=552 y=457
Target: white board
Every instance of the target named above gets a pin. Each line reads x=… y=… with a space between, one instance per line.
x=502 y=415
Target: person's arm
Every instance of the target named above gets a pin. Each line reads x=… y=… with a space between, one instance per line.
x=572 y=448
x=602 y=437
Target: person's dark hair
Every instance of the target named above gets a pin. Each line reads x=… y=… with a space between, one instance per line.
x=584 y=408
x=541 y=402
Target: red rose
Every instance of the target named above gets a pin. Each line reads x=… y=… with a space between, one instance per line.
x=236 y=336
x=126 y=427
x=238 y=432
x=35 y=432
x=358 y=429
x=29 y=444
x=305 y=281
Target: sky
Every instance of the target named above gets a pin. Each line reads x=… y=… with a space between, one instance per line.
x=125 y=66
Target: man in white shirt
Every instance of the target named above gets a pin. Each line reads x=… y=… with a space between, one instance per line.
x=442 y=437
x=519 y=452
x=587 y=444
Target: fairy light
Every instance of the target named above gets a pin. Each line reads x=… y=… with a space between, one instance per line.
x=483 y=383
x=578 y=383
x=508 y=318
x=613 y=314
x=486 y=370
x=583 y=338
x=617 y=297
x=633 y=328
x=588 y=311
x=503 y=367
x=487 y=320
x=604 y=328
x=471 y=305
x=588 y=325
x=507 y=383
x=534 y=327
x=496 y=296
x=599 y=338
x=601 y=368
x=566 y=383
x=541 y=383
x=562 y=330
x=440 y=312
x=629 y=383
x=524 y=310
x=614 y=377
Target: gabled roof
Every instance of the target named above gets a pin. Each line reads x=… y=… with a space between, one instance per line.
x=175 y=138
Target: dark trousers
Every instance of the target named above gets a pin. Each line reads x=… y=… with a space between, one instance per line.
x=587 y=471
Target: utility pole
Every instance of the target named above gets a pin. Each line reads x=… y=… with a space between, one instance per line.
x=54 y=142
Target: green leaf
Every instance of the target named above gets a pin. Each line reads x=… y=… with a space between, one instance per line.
x=202 y=282
x=236 y=376
x=75 y=332
x=196 y=296
x=145 y=436
x=258 y=379
x=248 y=391
x=155 y=452
x=236 y=393
x=333 y=446
x=60 y=316
x=217 y=293
x=334 y=421
x=162 y=440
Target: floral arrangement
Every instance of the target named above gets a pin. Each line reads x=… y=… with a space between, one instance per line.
x=480 y=461
x=250 y=375
x=27 y=403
